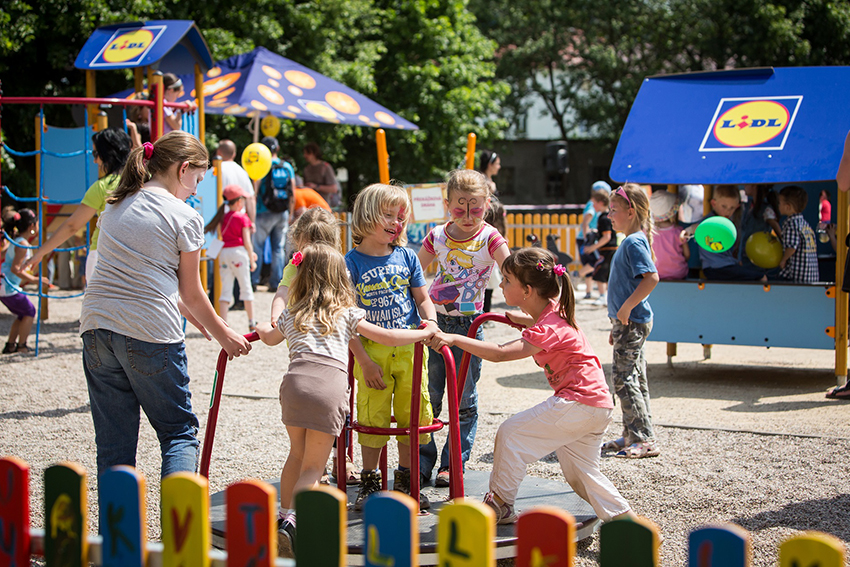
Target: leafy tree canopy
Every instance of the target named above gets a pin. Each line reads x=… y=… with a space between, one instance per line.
x=587 y=59
x=424 y=59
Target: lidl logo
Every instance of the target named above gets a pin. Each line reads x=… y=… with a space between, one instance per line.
x=127 y=47
x=751 y=124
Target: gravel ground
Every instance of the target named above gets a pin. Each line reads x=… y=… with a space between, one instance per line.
x=746 y=437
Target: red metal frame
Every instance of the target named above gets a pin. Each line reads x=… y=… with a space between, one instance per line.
x=454 y=385
x=413 y=432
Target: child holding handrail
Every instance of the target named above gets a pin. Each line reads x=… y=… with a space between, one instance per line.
x=573 y=420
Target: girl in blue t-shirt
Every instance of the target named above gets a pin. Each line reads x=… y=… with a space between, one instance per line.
x=633 y=276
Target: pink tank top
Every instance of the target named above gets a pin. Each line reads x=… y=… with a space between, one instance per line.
x=669 y=260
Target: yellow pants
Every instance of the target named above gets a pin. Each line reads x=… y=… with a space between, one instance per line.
x=376 y=407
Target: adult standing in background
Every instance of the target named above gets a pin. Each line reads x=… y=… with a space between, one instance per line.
x=110 y=149
x=233 y=174
x=319 y=175
x=489 y=163
x=275 y=203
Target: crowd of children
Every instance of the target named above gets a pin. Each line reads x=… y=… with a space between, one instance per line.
x=374 y=302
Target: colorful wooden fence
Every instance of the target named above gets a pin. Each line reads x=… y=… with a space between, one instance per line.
x=466 y=529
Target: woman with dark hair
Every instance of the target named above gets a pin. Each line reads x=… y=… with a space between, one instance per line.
x=319 y=175
x=489 y=163
x=110 y=150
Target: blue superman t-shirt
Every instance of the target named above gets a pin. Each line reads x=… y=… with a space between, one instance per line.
x=382 y=285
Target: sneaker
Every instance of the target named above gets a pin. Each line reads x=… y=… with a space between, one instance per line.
x=285 y=539
x=602 y=301
x=401 y=483
x=442 y=479
x=370 y=483
x=588 y=296
x=504 y=512
x=252 y=326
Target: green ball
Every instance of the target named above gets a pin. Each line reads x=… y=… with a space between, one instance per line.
x=716 y=234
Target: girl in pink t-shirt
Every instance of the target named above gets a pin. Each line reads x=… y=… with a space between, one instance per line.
x=237 y=259
x=671 y=251
x=572 y=421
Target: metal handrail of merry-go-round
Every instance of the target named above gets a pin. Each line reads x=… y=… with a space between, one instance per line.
x=456 y=485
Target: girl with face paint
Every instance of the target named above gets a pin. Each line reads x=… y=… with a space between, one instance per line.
x=466 y=249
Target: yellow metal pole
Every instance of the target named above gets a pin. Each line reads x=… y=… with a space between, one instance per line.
x=199 y=92
x=219 y=201
x=91 y=91
x=470 y=151
x=101 y=121
x=383 y=156
x=159 y=109
x=841 y=298
x=138 y=79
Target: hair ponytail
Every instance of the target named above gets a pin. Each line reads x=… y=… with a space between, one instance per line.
x=536 y=267
x=18 y=222
x=173 y=148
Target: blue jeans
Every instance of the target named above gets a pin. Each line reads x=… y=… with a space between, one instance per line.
x=272 y=226
x=468 y=407
x=124 y=374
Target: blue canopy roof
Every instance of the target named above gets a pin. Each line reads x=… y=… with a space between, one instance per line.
x=172 y=45
x=766 y=125
x=262 y=81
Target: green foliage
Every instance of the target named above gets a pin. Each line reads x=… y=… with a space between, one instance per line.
x=425 y=60
x=587 y=59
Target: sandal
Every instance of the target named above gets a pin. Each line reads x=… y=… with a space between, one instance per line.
x=639 y=450
x=837 y=393
x=614 y=445
x=22 y=347
x=325 y=478
x=10 y=348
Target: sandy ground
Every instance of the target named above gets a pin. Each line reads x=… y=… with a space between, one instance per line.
x=746 y=437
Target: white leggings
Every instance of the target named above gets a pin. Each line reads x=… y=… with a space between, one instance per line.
x=233 y=264
x=574 y=432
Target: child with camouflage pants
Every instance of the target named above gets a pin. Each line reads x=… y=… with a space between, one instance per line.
x=633 y=276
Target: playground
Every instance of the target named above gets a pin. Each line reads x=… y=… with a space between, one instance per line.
x=789 y=476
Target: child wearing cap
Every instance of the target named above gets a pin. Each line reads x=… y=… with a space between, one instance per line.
x=671 y=253
x=237 y=258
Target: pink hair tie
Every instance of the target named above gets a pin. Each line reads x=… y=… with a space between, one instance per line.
x=17 y=216
x=296 y=258
x=148 y=148
x=559 y=270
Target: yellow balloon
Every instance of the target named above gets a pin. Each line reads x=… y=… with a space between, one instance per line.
x=270 y=126
x=764 y=250
x=257 y=160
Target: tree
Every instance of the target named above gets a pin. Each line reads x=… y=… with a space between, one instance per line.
x=426 y=61
x=587 y=59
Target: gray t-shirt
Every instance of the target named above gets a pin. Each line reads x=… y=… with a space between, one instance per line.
x=134 y=287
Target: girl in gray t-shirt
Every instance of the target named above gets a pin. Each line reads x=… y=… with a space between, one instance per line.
x=147 y=275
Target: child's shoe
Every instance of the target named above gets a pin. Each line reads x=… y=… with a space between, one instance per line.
x=252 y=325
x=401 y=483
x=370 y=483
x=285 y=539
x=443 y=478
x=504 y=512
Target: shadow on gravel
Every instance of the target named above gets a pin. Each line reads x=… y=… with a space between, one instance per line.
x=530 y=380
x=738 y=382
x=826 y=515
x=58 y=412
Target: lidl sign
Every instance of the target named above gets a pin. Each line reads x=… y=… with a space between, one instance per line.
x=128 y=46
x=751 y=124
